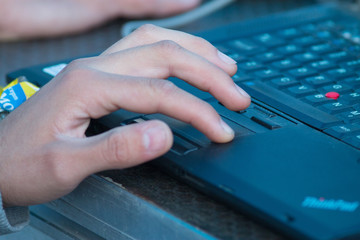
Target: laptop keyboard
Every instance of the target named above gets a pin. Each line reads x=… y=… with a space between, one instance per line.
x=311 y=72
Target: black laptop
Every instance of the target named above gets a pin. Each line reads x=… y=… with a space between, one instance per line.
x=295 y=160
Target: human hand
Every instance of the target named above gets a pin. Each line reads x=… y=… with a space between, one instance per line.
x=46 y=18
x=44 y=151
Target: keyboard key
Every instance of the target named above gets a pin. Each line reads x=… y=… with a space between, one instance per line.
x=284 y=82
x=354 y=38
x=237 y=57
x=317 y=99
x=285 y=64
x=289 y=49
x=301 y=91
x=351 y=98
x=318 y=81
x=353 y=64
x=306 y=57
x=292 y=106
x=290 y=33
x=322 y=48
x=267 y=73
x=354 y=50
x=336 y=107
x=309 y=28
x=250 y=65
x=182 y=146
x=339 y=73
x=264 y=111
x=339 y=42
x=269 y=57
x=306 y=41
x=244 y=46
x=328 y=25
x=338 y=56
x=324 y=35
x=349 y=31
x=322 y=65
x=356 y=107
x=265 y=122
x=340 y=88
x=353 y=141
x=269 y=40
x=351 y=116
x=353 y=81
x=343 y=131
x=240 y=76
x=302 y=72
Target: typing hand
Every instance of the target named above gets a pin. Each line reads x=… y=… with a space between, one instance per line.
x=45 y=18
x=44 y=151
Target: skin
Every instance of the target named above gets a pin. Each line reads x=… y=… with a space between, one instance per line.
x=21 y=19
x=43 y=148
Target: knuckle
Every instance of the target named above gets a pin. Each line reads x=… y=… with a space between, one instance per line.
x=199 y=42
x=146 y=30
x=77 y=63
x=163 y=88
x=168 y=47
x=117 y=150
x=81 y=63
x=76 y=74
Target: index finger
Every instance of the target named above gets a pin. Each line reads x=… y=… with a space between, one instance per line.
x=167 y=59
x=149 y=34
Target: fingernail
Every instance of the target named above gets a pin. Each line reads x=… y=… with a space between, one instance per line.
x=242 y=92
x=226 y=59
x=154 y=139
x=226 y=128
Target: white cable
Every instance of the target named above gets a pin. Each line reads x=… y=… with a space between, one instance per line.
x=179 y=20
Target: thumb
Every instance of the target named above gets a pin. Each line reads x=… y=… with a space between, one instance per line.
x=121 y=147
x=66 y=162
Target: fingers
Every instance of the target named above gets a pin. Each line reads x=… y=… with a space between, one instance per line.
x=106 y=93
x=115 y=86
x=119 y=148
x=149 y=34
x=155 y=8
x=166 y=58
